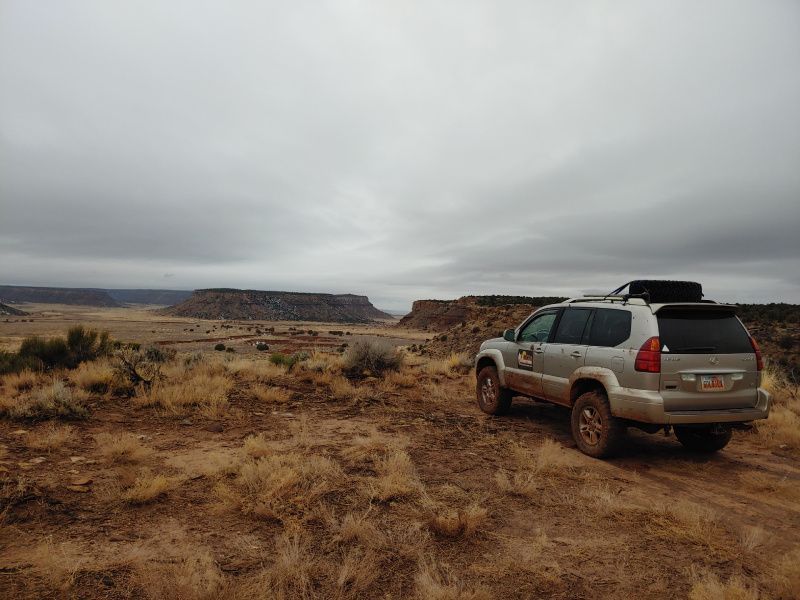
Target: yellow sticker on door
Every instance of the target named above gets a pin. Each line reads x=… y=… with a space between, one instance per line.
x=525 y=359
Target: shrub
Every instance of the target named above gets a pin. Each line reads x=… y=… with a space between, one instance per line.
x=94 y=377
x=54 y=400
x=11 y=362
x=38 y=353
x=262 y=347
x=137 y=366
x=288 y=361
x=87 y=344
x=147 y=488
x=786 y=342
x=49 y=353
x=373 y=357
x=220 y=347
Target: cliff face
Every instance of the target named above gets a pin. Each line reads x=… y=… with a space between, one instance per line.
x=10 y=311
x=463 y=324
x=276 y=306
x=436 y=315
x=49 y=295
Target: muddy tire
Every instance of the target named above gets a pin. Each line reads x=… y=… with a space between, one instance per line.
x=596 y=431
x=492 y=398
x=702 y=439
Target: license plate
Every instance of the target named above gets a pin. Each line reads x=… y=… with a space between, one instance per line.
x=712 y=383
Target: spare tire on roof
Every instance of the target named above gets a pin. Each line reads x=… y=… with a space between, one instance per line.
x=661 y=290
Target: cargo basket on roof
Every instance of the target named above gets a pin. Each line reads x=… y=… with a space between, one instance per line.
x=659 y=291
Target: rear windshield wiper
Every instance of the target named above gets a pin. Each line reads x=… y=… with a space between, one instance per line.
x=695 y=349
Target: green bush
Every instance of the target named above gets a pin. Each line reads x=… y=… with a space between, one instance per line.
x=261 y=346
x=42 y=354
x=371 y=357
x=87 y=344
x=12 y=362
x=288 y=361
x=220 y=347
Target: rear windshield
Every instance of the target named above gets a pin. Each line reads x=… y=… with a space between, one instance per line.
x=702 y=332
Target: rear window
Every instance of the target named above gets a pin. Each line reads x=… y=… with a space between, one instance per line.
x=702 y=332
x=609 y=327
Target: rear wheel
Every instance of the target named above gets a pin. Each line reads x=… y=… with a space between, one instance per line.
x=703 y=439
x=595 y=430
x=492 y=398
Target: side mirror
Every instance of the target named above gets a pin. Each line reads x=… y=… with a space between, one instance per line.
x=509 y=335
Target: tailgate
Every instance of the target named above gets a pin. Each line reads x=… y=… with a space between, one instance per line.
x=707 y=360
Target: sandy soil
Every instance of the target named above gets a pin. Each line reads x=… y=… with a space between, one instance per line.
x=655 y=522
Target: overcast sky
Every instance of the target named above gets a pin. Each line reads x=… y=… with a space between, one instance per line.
x=401 y=149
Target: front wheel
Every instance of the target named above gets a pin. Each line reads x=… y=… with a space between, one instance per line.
x=595 y=430
x=493 y=399
x=703 y=439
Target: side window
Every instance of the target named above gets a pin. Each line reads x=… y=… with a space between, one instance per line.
x=538 y=330
x=610 y=327
x=570 y=328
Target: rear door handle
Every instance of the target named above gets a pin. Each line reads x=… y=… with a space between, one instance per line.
x=577 y=354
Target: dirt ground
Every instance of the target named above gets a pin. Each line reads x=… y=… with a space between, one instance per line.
x=388 y=487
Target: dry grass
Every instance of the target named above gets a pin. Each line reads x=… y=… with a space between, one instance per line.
x=342 y=389
x=54 y=400
x=49 y=437
x=782 y=428
x=434 y=583
x=193 y=575
x=204 y=391
x=261 y=370
x=322 y=362
x=271 y=394
x=94 y=377
x=397 y=478
x=257 y=446
x=121 y=448
x=535 y=468
x=765 y=484
x=371 y=447
x=358 y=572
x=752 y=538
x=24 y=381
x=281 y=487
x=785 y=576
x=685 y=521
x=458 y=523
x=358 y=529
x=454 y=364
x=399 y=380
x=709 y=587
x=59 y=563
x=291 y=574
x=147 y=487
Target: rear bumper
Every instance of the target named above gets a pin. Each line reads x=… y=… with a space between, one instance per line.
x=648 y=407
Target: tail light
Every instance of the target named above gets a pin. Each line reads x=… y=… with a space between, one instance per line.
x=757 y=350
x=648 y=358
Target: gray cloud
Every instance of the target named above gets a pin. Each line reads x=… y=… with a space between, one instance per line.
x=402 y=150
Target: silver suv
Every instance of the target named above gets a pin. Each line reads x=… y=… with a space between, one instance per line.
x=624 y=360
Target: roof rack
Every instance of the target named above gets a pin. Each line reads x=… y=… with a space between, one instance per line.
x=609 y=298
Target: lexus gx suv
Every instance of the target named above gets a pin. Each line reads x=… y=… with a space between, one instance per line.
x=636 y=359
